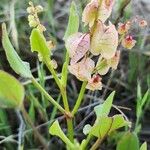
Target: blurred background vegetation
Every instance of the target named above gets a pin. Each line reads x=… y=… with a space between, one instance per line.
x=130 y=81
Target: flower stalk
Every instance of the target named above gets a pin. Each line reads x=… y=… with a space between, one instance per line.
x=80 y=98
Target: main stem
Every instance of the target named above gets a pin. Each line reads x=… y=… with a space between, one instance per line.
x=64 y=97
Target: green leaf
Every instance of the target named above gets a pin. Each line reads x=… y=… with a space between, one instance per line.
x=56 y=130
x=145 y=98
x=73 y=24
x=102 y=127
x=38 y=43
x=104 y=109
x=11 y=91
x=20 y=67
x=139 y=91
x=118 y=122
x=143 y=146
x=106 y=125
x=129 y=141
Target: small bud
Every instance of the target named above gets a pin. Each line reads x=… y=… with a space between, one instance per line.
x=30 y=18
x=30 y=3
x=41 y=28
x=143 y=23
x=30 y=10
x=50 y=44
x=33 y=23
x=124 y=28
x=54 y=64
x=39 y=8
x=128 y=42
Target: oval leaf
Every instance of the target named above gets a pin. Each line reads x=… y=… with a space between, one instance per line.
x=11 y=91
x=38 y=43
x=20 y=67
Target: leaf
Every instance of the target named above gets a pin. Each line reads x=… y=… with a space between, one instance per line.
x=141 y=102
x=118 y=122
x=73 y=24
x=139 y=91
x=56 y=130
x=102 y=127
x=129 y=141
x=104 y=109
x=38 y=43
x=11 y=91
x=143 y=146
x=20 y=67
x=145 y=98
x=106 y=125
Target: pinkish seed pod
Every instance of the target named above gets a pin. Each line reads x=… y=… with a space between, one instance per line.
x=128 y=42
x=124 y=28
x=90 y=13
x=95 y=83
x=104 y=40
x=143 y=23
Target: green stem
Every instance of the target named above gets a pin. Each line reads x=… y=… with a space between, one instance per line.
x=65 y=70
x=62 y=88
x=51 y=69
x=42 y=90
x=80 y=98
x=84 y=145
x=65 y=100
x=64 y=83
x=64 y=95
x=70 y=129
